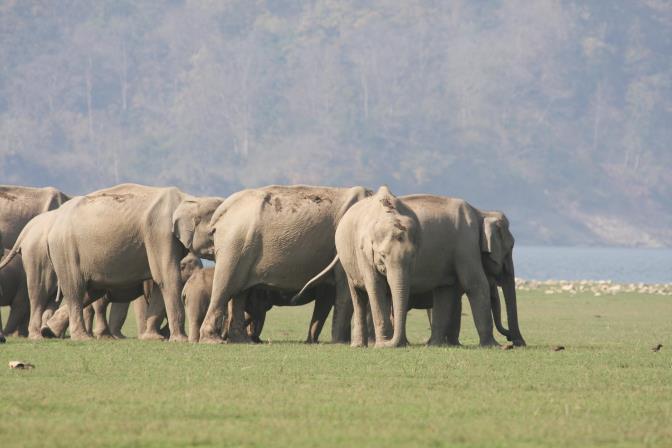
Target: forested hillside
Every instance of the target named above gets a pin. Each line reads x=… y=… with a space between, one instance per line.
x=559 y=113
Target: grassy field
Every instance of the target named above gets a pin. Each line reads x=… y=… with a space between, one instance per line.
x=606 y=389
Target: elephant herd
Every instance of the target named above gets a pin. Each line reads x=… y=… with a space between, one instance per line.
x=368 y=256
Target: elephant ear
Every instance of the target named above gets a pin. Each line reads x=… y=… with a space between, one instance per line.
x=491 y=241
x=184 y=222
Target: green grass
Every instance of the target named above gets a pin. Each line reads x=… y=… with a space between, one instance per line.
x=606 y=389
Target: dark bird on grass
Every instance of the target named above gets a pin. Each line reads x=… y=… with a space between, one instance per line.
x=558 y=348
x=656 y=348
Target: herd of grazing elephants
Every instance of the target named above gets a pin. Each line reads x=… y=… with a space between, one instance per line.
x=369 y=256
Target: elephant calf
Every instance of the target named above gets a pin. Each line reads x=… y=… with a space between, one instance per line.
x=196 y=297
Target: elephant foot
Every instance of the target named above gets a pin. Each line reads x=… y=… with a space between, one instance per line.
x=434 y=342
x=165 y=331
x=81 y=336
x=257 y=340
x=36 y=336
x=490 y=343
x=178 y=338
x=107 y=336
x=453 y=343
x=151 y=336
x=118 y=336
x=358 y=343
x=45 y=333
x=519 y=342
x=211 y=340
x=392 y=344
x=2 y=339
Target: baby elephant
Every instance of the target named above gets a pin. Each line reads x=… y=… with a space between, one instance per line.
x=196 y=297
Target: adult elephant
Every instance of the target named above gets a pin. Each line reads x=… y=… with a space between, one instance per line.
x=41 y=281
x=277 y=236
x=463 y=250
x=120 y=236
x=18 y=205
x=196 y=297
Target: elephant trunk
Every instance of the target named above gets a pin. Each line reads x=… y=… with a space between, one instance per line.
x=509 y=287
x=497 y=311
x=400 y=288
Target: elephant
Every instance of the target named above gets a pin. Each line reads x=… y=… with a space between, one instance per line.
x=41 y=281
x=119 y=310
x=196 y=296
x=462 y=250
x=376 y=243
x=277 y=236
x=18 y=205
x=117 y=237
x=14 y=293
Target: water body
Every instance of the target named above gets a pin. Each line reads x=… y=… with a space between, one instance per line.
x=621 y=265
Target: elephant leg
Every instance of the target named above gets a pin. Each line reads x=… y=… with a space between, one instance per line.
x=89 y=314
x=19 y=314
x=454 y=296
x=155 y=314
x=342 y=315
x=237 y=330
x=380 y=309
x=370 y=331
x=165 y=269
x=49 y=311
x=477 y=288
x=255 y=327
x=359 y=337
x=323 y=304
x=74 y=294
x=446 y=316
x=140 y=311
x=101 y=328
x=57 y=324
x=196 y=307
x=38 y=293
x=118 y=313
x=226 y=284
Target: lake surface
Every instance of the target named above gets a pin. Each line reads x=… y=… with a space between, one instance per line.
x=621 y=265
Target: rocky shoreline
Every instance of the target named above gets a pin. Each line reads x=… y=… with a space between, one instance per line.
x=597 y=288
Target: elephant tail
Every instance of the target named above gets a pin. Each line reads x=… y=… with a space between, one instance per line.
x=298 y=299
x=12 y=253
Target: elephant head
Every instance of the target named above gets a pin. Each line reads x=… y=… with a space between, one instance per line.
x=497 y=257
x=188 y=265
x=191 y=225
x=394 y=239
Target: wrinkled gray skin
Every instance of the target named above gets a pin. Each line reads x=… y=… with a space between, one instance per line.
x=118 y=237
x=278 y=236
x=463 y=250
x=196 y=297
x=18 y=205
x=377 y=241
x=119 y=310
x=41 y=281
x=14 y=293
